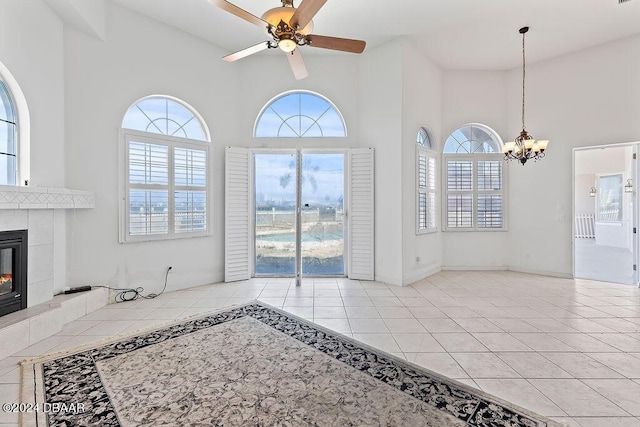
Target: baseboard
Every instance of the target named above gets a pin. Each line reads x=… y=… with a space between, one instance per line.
x=474 y=268
x=541 y=272
x=387 y=280
x=421 y=274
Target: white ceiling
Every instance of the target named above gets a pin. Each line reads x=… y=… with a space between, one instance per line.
x=456 y=34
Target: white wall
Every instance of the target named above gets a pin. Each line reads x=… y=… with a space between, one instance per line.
x=587 y=98
x=380 y=127
x=421 y=106
x=108 y=76
x=140 y=57
x=475 y=97
x=35 y=58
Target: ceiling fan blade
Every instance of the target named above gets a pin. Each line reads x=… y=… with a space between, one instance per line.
x=305 y=12
x=246 y=52
x=336 y=43
x=297 y=64
x=241 y=13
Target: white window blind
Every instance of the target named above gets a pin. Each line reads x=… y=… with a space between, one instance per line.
x=166 y=187
x=474 y=194
x=426 y=194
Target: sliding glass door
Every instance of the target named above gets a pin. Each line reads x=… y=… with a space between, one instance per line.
x=299 y=212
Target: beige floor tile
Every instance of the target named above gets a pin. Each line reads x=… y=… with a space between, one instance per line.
x=581 y=365
x=362 y=312
x=542 y=342
x=620 y=341
x=577 y=399
x=500 y=342
x=584 y=343
x=623 y=363
x=520 y=392
x=459 y=342
x=418 y=343
x=384 y=342
x=368 y=326
x=472 y=324
x=427 y=313
x=404 y=326
x=394 y=313
x=533 y=365
x=621 y=391
x=441 y=325
x=441 y=363
x=327 y=302
x=339 y=325
x=608 y=421
x=329 y=312
x=357 y=301
x=484 y=365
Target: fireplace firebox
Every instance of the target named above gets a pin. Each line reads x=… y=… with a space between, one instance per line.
x=13 y=271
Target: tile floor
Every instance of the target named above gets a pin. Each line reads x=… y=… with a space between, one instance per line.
x=567 y=349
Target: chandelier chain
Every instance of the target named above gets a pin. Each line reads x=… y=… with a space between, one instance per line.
x=523 y=77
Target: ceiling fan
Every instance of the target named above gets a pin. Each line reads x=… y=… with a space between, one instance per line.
x=289 y=27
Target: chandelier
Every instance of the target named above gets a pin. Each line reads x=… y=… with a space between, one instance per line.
x=525 y=146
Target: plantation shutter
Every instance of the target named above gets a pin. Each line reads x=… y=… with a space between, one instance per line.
x=459 y=193
x=490 y=194
x=360 y=214
x=236 y=215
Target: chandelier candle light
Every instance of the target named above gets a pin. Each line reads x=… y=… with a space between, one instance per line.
x=525 y=146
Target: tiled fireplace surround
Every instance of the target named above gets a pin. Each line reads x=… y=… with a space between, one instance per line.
x=36 y=209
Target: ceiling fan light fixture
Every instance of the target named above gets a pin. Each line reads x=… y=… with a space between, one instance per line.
x=284 y=14
x=287 y=45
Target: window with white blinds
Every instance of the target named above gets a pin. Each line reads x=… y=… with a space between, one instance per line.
x=166 y=184
x=426 y=183
x=474 y=180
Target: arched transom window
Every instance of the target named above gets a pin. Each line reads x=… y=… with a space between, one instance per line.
x=166 y=154
x=299 y=114
x=471 y=139
x=474 y=180
x=165 y=116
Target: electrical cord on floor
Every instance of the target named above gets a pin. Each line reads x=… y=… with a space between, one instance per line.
x=130 y=294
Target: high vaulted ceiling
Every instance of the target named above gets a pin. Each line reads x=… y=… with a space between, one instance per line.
x=456 y=34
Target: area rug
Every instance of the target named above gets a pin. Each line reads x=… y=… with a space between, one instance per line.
x=252 y=365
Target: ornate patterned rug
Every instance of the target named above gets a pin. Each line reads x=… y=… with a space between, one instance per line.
x=252 y=365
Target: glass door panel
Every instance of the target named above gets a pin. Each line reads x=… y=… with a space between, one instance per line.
x=322 y=214
x=275 y=210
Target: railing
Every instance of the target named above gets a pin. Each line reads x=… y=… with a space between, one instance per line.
x=274 y=218
x=585 y=226
x=609 y=215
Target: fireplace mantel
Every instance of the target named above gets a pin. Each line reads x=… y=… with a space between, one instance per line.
x=45 y=198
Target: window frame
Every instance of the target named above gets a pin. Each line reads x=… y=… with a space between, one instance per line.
x=15 y=125
x=126 y=136
x=475 y=159
x=428 y=152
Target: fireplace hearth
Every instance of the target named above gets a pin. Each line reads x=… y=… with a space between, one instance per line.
x=13 y=271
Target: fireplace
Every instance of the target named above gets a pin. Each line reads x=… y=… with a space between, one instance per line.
x=13 y=271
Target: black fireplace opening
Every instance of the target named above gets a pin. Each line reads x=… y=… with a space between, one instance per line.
x=13 y=271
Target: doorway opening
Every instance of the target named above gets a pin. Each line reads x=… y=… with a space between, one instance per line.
x=605 y=213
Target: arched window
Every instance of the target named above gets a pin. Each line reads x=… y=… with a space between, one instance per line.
x=166 y=154
x=475 y=179
x=8 y=137
x=426 y=173
x=299 y=114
